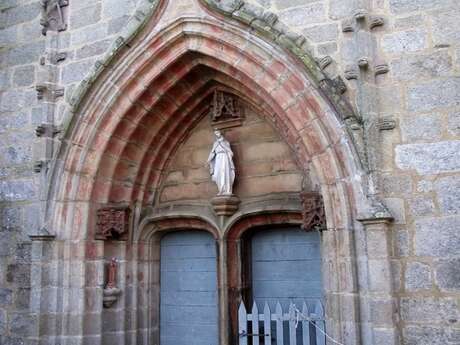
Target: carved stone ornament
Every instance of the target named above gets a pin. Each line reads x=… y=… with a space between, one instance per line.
x=112 y=223
x=111 y=292
x=225 y=110
x=52 y=15
x=314 y=217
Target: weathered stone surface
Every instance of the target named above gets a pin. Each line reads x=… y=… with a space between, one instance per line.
x=409 y=22
x=24 y=76
x=399 y=6
x=302 y=16
x=93 y=49
x=397 y=184
x=401 y=243
x=453 y=123
x=445 y=28
x=23 y=324
x=10 y=218
x=448 y=193
x=426 y=128
x=429 y=309
x=321 y=33
x=447 y=274
x=433 y=158
x=17 y=190
x=6 y=296
x=3 y=321
x=421 y=66
x=418 y=276
x=425 y=335
x=341 y=8
x=74 y=72
x=21 y=14
x=404 y=41
x=421 y=206
x=424 y=186
x=116 y=24
x=436 y=94
x=85 y=16
x=397 y=209
x=89 y=34
x=437 y=237
x=116 y=8
x=7 y=244
x=24 y=54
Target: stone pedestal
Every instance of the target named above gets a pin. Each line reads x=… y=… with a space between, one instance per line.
x=225 y=205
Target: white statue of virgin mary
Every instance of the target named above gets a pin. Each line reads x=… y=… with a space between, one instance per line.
x=221 y=165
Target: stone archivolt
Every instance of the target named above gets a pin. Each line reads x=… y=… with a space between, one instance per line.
x=149 y=96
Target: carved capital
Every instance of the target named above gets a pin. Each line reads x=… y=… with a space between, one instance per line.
x=314 y=216
x=112 y=223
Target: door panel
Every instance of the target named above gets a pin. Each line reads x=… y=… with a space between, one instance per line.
x=286 y=267
x=188 y=307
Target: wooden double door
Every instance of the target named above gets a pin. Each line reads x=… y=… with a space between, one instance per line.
x=285 y=267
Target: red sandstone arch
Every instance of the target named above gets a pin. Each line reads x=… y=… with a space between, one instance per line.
x=130 y=123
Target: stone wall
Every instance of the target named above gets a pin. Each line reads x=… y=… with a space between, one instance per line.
x=417 y=164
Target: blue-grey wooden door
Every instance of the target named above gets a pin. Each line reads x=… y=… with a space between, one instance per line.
x=188 y=295
x=286 y=267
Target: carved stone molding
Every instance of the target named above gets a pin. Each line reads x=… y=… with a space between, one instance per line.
x=112 y=223
x=225 y=110
x=314 y=216
x=52 y=15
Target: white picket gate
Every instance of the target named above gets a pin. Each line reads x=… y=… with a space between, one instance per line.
x=302 y=326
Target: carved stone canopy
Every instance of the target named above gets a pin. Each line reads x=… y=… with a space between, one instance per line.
x=112 y=223
x=225 y=110
x=314 y=216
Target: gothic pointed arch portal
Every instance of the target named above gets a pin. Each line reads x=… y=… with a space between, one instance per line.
x=122 y=138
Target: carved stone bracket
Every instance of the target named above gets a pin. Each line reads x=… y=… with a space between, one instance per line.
x=225 y=205
x=47 y=130
x=370 y=21
x=386 y=123
x=225 y=110
x=112 y=223
x=53 y=58
x=53 y=15
x=314 y=216
x=49 y=91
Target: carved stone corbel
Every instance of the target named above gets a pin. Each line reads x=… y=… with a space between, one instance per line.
x=386 y=123
x=53 y=58
x=314 y=216
x=47 y=130
x=112 y=223
x=49 y=91
x=52 y=15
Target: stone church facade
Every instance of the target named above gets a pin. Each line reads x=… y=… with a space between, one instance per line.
x=344 y=120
